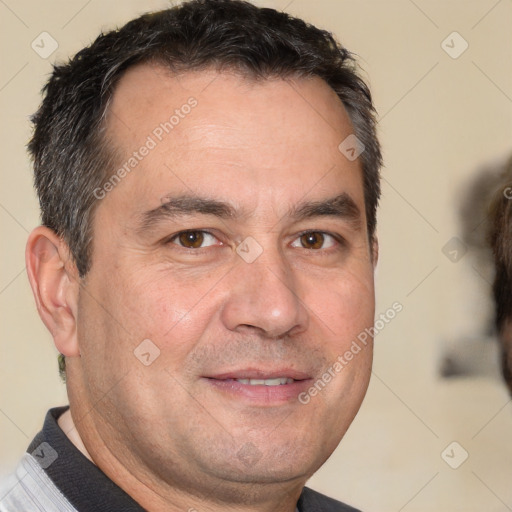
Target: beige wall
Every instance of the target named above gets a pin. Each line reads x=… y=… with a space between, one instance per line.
x=442 y=119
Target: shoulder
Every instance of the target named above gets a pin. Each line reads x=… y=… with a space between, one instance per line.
x=31 y=490
x=312 y=501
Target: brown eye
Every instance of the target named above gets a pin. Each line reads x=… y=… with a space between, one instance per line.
x=315 y=240
x=312 y=240
x=191 y=239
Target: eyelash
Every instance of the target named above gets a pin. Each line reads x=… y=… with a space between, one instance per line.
x=340 y=241
x=203 y=231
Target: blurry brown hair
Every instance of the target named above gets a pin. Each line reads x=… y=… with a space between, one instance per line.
x=500 y=238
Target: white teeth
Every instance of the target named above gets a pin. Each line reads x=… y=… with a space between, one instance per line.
x=266 y=382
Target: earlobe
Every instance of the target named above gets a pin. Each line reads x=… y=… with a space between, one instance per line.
x=55 y=285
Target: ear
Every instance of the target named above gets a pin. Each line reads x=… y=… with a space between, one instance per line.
x=55 y=284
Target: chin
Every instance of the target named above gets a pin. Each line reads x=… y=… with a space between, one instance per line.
x=271 y=463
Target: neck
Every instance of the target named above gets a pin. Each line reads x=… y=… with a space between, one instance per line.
x=67 y=425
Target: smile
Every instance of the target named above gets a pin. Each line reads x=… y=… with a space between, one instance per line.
x=279 y=381
x=262 y=387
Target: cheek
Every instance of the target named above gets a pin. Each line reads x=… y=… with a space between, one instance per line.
x=119 y=312
x=344 y=305
x=169 y=310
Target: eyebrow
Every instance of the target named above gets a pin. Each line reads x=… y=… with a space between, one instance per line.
x=175 y=206
x=172 y=207
x=341 y=206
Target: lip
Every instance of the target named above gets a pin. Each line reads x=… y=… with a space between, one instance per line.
x=257 y=373
x=262 y=395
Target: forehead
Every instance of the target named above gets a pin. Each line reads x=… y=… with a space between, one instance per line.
x=229 y=136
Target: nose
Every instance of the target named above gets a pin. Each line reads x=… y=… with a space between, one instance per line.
x=264 y=297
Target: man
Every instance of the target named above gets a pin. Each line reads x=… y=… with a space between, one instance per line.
x=208 y=178
x=501 y=243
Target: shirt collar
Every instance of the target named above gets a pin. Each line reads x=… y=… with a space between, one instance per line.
x=84 y=485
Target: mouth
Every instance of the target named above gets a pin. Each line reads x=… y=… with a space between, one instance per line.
x=279 y=381
x=261 y=386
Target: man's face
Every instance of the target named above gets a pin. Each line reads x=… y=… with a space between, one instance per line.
x=255 y=164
